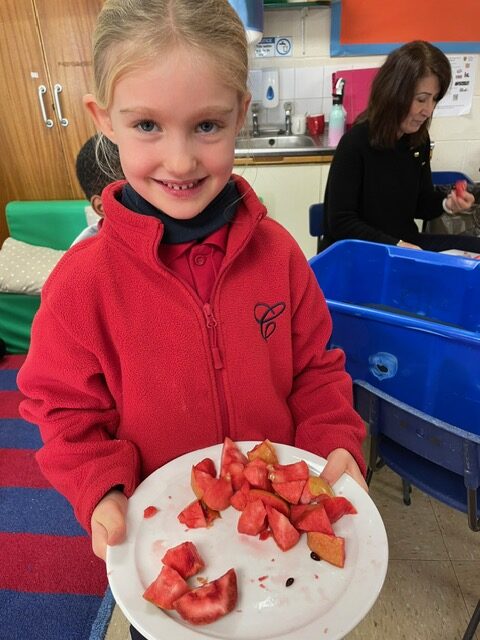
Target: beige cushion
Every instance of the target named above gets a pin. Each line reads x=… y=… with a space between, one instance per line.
x=25 y=267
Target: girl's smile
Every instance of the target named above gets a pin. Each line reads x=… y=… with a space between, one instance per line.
x=175 y=124
x=180 y=189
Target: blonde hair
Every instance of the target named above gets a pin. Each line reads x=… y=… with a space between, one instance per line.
x=131 y=33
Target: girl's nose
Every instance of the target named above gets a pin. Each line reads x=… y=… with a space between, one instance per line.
x=180 y=158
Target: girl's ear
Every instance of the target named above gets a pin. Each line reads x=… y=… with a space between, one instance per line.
x=100 y=116
x=244 y=104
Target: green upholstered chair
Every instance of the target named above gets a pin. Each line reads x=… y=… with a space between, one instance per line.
x=45 y=223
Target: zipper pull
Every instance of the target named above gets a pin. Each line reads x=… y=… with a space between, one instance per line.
x=212 y=325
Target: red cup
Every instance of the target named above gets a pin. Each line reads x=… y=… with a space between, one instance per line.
x=316 y=124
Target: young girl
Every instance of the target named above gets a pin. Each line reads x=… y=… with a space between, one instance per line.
x=190 y=315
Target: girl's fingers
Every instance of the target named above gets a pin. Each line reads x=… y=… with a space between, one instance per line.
x=108 y=523
x=359 y=479
x=115 y=526
x=341 y=461
x=99 y=540
x=332 y=470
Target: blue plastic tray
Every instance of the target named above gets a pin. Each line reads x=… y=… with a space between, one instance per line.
x=409 y=323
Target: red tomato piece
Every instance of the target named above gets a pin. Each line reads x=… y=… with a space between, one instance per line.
x=337 y=506
x=149 y=512
x=253 y=518
x=185 y=559
x=460 y=188
x=167 y=587
x=210 y=602
x=284 y=533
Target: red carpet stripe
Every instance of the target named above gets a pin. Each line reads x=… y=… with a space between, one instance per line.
x=51 y=584
x=50 y=564
x=9 y=401
x=20 y=469
x=12 y=361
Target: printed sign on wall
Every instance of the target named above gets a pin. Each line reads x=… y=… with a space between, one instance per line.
x=274 y=46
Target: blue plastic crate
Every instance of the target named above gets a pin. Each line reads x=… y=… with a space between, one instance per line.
x=449 y=177
x=409 y=323
x=437 y=457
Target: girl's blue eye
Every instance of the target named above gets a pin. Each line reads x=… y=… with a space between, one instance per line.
x=207 y=127
x=146 y=125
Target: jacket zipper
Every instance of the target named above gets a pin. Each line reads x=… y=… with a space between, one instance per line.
x=212 y=324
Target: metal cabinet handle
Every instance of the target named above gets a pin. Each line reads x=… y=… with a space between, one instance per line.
x=42 y=89
x=57 y=89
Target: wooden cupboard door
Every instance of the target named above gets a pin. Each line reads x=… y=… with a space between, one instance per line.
x=32 y=165
x=66 y=28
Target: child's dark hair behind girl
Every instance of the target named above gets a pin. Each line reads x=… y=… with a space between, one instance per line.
x=91 y=174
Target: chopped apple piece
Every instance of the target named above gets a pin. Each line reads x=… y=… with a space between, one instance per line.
x=329 y=548
x=314 y=487
x=264 y=451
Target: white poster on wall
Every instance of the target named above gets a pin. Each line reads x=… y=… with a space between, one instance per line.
x=458 y=99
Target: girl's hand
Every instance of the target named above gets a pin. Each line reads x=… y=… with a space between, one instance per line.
x=458 y=203
x=108 y=522
x=341 y=461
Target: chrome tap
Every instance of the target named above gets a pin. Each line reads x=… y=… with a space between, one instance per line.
x=288 y=118
x=255 y=127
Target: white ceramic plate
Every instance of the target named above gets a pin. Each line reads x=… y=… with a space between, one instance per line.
x=323 y=602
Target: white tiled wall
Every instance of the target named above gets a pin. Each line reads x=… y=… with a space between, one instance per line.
x=305 y=80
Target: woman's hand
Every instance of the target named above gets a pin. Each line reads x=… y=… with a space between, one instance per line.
x=341 y=461
x=458 y=203
x=408 y=245
x=108 y=522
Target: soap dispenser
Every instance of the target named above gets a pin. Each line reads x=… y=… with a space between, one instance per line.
x=336 y=126
x=270 y=88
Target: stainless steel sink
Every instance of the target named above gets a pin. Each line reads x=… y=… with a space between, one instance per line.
x=275 y=141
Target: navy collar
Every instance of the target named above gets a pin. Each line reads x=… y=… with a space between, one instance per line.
x=218 y=213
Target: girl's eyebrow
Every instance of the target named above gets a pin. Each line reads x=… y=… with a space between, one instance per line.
x=205 y=112
x=137 y=110
x=208 y=111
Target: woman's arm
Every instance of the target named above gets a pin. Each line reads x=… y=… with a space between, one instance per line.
x=430 y=201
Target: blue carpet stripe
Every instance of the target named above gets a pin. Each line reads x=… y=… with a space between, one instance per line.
x=38 y=616
x=8 y=379
x=42 y=616
x=16 y=433
x=42 y=511
x=100 y=624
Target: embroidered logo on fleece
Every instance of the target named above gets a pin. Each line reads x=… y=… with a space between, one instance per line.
x=266 y=314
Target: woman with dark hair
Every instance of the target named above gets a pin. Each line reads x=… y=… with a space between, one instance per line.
x=380 y=179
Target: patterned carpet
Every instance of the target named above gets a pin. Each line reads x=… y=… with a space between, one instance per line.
x=52 y=587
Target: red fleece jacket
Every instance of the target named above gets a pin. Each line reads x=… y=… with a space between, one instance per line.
x=128 y=369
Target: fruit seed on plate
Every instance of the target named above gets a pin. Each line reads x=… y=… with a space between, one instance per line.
x=289 y=582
